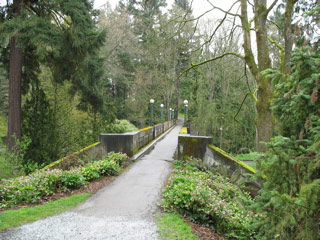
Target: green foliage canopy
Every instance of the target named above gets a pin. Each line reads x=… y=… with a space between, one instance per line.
x=59 y=34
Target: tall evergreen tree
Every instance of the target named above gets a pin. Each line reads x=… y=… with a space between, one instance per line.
x=183 y=4
x=3 y=92
x=59 y=34
x=183 y=42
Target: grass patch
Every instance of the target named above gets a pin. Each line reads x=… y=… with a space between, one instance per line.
x=14 y=218
x=172 y=226
x=253 y=156
x=250 y=158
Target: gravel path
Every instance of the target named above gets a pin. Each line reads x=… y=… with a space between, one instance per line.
x=123 y=210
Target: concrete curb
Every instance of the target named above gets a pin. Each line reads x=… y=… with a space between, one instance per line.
x=149 y=147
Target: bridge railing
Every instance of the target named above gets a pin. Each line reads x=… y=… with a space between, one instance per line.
x=132 y=142
x=202 y=147
x=129 y=143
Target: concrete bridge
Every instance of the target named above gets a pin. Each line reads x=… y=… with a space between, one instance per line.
x=125 y=209
x=122 y=210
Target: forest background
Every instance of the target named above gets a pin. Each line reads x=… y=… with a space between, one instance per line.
x=69 y=72
x=74 y=87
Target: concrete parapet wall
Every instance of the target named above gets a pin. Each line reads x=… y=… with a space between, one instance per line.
x=158 y=130
x=131 y=142
x=122 y=142
x=62 y=161
x=216 y=156
x=194 y=146
x=166 y=126
x=201 y=147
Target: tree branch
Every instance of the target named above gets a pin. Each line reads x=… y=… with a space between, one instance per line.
x=217 y=28
x=226 y=12
x=274 y=23
x=277 y=44
x=251 y=4
x=213 y=59
x=218 y=57
x=249 y=57
x=281 y=50
x=271 y=6
x=196 y=18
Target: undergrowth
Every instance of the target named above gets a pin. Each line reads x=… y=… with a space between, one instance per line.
x=209 y=199
x=43 y=183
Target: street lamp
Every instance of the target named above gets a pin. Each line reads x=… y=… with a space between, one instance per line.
x=161 y=109
x=151 y=109
x=185 y=111
x=220 y=136
x=170 y=114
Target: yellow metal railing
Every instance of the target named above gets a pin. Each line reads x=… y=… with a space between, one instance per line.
x=184 y=130
x=64 y=158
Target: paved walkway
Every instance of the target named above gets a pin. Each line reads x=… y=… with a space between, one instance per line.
x=122 y=210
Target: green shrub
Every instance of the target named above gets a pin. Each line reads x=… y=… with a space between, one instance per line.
x=28 y=189
x=209 y=199
x=121 y=126
x=289 y=202
x=119 y=158
x=39 y=125
x=90 y=172
x=108 y=167
x=31 y=188
x=70 y=180
x=82 y=158
x=100 y=168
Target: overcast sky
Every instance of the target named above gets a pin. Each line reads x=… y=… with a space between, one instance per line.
x=198 y=6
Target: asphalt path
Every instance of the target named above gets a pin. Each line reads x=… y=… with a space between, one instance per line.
x=123 y=210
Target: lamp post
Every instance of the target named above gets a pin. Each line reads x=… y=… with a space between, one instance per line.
x=151 y=109
x=220 y=136
x=170 y=114
x=161 y=109
x=185 y=111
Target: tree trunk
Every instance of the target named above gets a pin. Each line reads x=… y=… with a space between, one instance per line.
x=15 y=72
x=264 y=119
x=176 y=111
x=288 y=35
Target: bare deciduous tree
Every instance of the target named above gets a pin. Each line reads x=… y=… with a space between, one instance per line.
x=258 y=23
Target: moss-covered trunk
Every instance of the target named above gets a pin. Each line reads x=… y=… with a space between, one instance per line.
x=264 y=120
